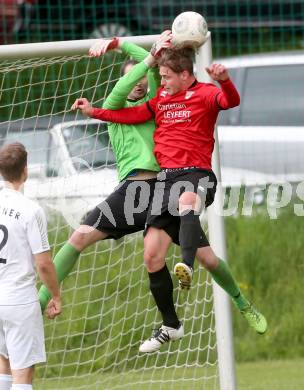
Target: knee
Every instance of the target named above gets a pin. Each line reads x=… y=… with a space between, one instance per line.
x=78 y=240
x=153 y=261
x=189 y=200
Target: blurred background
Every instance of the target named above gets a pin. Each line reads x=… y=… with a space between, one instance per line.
x=238 y=26
x=262 y=143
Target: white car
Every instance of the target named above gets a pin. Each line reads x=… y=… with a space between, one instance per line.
x=71 y=165
x=262 y=140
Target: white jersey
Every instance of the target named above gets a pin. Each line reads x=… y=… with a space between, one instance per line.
x=23 y=233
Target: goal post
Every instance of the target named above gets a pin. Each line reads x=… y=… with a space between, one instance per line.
x=108 y=308
x=217 y=240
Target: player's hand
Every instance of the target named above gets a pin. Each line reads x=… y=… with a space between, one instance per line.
x=218 y=72
x=164 y=42
x=84 y=105
x=102 y=46
x=54 y=308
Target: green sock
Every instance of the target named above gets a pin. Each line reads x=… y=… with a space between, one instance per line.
x=223 y=277
x=64 y=262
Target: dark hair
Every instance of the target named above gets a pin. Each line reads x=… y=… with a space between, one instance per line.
x=124 y=65
x=178 y=60
x=13 y=160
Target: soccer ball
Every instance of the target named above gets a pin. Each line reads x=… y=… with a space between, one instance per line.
x=189 y=29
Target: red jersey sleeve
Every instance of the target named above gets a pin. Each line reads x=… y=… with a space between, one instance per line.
x=224 y=98
x=152 y=104
x=228 y=96
x=128 y=115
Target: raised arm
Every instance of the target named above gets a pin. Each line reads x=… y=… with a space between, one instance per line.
x=120 y=92
x=228 y=96
x=139 y=54
x=136 y=52
x=118 y=96
x=102 y=46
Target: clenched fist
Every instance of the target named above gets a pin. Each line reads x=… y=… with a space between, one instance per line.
x=218 y=72
x=84 y=105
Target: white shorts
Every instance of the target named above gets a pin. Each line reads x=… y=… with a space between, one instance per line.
x=22 y=335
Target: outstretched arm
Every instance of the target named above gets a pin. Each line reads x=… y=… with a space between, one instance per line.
x=129 y=115
x=117 y=98
x=228 y=97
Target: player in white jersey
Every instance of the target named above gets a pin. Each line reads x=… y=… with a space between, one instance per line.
x=23 y=246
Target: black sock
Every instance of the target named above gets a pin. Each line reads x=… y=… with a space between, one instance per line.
x=161 y=287
x=189 y=236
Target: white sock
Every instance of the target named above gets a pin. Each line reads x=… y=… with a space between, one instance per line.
x=22 y=387
x=5 y=382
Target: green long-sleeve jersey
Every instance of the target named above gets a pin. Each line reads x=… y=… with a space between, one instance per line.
x=133 y=144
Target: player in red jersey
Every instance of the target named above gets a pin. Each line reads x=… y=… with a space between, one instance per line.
x=185 y=113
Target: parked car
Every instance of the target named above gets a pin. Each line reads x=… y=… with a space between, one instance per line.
x=67 y=19
x=71 y=165
x=264 y=136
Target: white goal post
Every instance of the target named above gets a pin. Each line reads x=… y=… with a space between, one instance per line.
x=106 y=298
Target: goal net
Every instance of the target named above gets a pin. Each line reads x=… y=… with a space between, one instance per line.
x=108 y=308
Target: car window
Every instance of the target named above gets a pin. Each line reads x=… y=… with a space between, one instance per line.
x=37 y=143
x=273 y=96
x=89 y=143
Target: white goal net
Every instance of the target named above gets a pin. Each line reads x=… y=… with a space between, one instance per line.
x=108 y=308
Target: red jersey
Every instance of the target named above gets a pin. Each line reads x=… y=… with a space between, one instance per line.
x=184 y=122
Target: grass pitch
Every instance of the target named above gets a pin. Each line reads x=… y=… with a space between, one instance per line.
x=262 y=375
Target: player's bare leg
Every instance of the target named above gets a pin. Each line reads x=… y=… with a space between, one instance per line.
x=6 y=378
x=23 y=377
x=85 y=236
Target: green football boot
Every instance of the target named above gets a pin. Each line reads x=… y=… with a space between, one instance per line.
x=255 y=319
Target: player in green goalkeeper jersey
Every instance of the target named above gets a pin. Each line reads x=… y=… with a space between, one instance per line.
x=133 y=148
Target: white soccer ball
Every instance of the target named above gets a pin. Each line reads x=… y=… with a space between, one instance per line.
x=189 y=29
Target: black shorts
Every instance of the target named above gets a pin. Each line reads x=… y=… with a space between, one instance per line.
x=163 y=211
x=125 y=210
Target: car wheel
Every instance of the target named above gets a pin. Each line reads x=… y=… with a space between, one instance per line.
x=110 y=30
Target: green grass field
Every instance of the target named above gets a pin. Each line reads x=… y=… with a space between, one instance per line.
x=262 y=375
x=271 y=375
